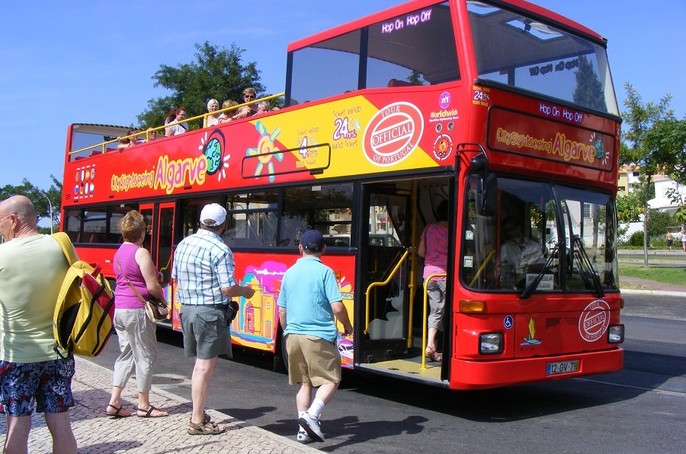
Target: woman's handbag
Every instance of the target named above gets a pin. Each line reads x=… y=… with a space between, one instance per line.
x=155 y=310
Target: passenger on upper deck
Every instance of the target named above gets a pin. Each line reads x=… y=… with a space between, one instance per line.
x=227 y=114
x=249 y=95
x=213 y=118
x=176 y=115
x=262 y=107
x=151 y=135
x=126 y=141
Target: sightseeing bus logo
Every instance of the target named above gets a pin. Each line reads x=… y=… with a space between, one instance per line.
x=266 y=151
x=393 y=133
x=601 y=154
x=594 y=321
x=212 y=147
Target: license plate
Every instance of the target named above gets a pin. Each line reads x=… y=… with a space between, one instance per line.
x=562 y=367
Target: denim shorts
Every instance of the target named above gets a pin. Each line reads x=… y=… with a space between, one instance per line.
x=46 y=384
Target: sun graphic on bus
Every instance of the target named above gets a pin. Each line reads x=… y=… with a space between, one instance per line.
x=212 y=148
x=601 y=154
x=266 y=150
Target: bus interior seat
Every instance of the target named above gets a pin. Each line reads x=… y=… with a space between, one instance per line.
x=392 y=327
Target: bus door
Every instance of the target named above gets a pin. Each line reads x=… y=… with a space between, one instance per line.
x=384 y=258
x=160 y=238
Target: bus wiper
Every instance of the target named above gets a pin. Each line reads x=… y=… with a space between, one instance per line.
x=586 y=265
x=526 y=293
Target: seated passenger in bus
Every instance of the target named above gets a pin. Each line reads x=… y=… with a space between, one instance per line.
x=213 y=118
x=249 y=95
x=150 y=135
x=227 y=115
x=176 y=115
x=124 y=142
x=262 y=107
x=518 y=255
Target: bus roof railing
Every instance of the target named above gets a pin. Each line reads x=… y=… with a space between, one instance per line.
x=103 y=145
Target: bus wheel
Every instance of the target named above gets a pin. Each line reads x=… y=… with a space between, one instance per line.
x=280 y=354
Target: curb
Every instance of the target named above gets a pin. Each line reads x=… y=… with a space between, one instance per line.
x=652 y=292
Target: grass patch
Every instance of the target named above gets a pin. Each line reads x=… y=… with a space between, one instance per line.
x=666 y=275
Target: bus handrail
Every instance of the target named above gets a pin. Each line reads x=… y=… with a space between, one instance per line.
x=426 y=314
x=381 y=284
x=147 y=132
x=481 y=268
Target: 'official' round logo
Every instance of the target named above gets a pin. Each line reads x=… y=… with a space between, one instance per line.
x=393 y=133
x=594 y=321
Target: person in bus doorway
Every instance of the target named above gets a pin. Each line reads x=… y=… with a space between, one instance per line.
x=204 y=273
x=136 y=333
x=433 y=246
x=34 y=377
x=308 y=301
x=518 y=255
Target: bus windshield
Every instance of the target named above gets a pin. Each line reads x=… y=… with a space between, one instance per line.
x=559 y=236
x=526 y=53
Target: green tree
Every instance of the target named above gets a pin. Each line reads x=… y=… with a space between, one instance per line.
x=667 y=138
x=629 y=208
x=638 y=146
x=42 y=199
x=660 y=221
x=217 y=73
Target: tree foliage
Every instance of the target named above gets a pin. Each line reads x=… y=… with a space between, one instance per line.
x=638 y=139
x=39 y=197
x=644 y=143
x=216 y=73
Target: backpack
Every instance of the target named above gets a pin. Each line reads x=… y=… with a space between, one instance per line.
x=82 y=321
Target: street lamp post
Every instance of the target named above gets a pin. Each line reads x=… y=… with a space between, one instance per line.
x=50 y=207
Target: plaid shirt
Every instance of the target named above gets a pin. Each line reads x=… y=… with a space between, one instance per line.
x=203 y=265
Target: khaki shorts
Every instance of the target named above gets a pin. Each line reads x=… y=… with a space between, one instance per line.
x=312 y=360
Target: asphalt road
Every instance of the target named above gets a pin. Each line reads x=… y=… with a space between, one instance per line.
x=639 y=409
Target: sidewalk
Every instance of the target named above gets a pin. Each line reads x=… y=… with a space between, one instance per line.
x=96 y=433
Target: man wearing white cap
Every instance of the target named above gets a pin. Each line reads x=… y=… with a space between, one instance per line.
x=204 y=274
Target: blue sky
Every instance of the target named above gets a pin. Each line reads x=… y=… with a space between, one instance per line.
x=92 y=61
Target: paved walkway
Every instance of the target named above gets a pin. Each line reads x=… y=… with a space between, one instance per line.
x=96 y=433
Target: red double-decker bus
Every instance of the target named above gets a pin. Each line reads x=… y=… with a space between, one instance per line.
x=501 y=108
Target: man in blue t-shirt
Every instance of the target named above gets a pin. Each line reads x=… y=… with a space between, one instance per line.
x=308 y=301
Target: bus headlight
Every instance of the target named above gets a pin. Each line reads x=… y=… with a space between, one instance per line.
x=490 y=343
x=615 y=334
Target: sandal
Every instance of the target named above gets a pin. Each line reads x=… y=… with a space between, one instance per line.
x=205 y=418
x=148 y=413
x=204 y=428
x=433 y=355
x=118 y=413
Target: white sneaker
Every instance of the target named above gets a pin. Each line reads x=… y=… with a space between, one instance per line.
x=302 y=437
x=311 y=426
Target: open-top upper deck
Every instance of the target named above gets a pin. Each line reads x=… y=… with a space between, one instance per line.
x=403 y=90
